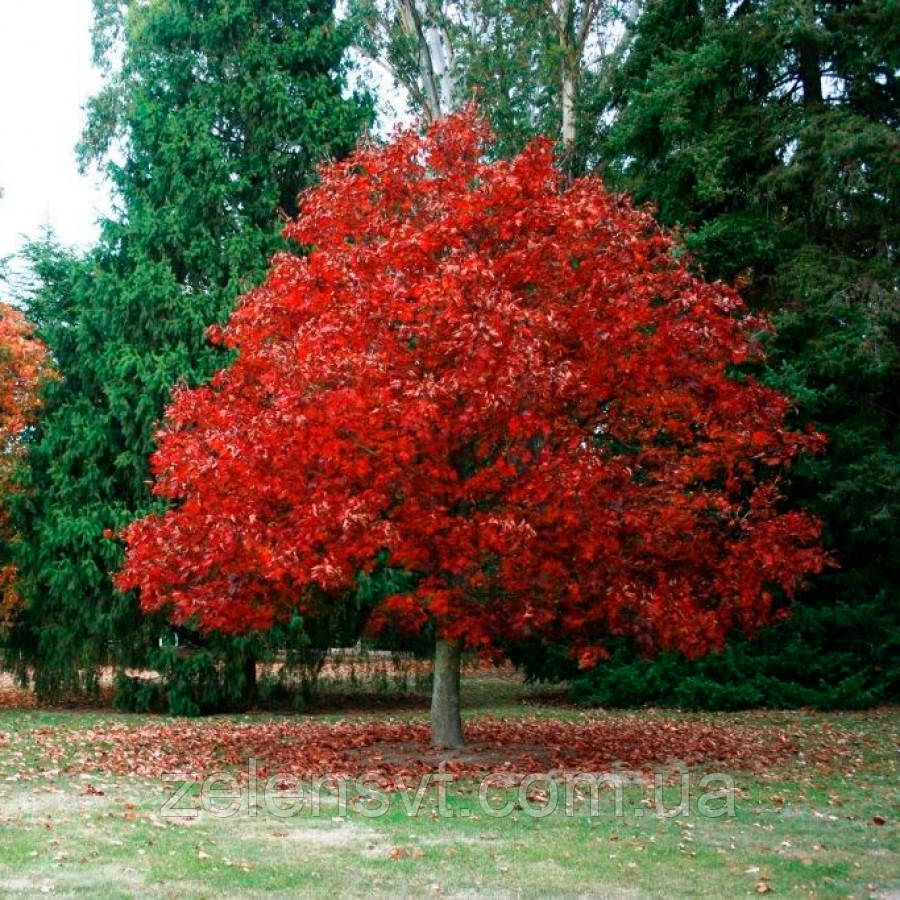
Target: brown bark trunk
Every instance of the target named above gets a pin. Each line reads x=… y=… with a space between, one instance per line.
x=810 y=64
x=810 y=73
x=446 y=723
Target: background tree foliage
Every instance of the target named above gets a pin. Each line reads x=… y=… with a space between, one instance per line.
x=534 y=67
x=213 y=116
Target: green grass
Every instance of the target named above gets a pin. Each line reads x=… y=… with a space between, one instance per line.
x=800 y=831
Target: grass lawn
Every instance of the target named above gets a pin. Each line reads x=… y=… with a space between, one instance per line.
x=820 y=821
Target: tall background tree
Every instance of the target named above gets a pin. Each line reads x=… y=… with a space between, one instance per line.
x=766 y=132
x=533 y=66
x=213 y=116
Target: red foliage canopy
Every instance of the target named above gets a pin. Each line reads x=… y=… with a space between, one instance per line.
x=511 y=387
x=23 y=366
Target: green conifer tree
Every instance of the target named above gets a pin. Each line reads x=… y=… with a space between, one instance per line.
x=213 y=116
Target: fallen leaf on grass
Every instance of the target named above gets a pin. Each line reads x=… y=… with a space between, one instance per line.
x=391 y=750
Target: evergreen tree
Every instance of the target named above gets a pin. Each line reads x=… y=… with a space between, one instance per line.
x=213 y=116
x=767 y=133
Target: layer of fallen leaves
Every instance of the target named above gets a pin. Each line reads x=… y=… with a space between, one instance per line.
x=13 y=695
x=387 y=750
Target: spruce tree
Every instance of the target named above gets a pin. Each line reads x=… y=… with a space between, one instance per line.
x=212 y=118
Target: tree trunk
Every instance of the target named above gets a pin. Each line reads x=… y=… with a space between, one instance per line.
x=446 y=724
x=808 y=56
x=248 y=664
x=568 y=88
x=442 y=66
x=412 y=24
x=810 y=73
x=568 y=103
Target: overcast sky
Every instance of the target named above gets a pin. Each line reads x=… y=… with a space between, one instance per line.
x=45 y=78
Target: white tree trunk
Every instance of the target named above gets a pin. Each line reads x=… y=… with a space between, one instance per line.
x=435 y=78
x=442 y=67
x=568 y=105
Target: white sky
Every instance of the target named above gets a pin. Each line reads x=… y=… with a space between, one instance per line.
x=45 y=78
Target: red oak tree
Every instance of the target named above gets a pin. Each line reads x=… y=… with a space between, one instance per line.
x=23 y=367
x=510 y=386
